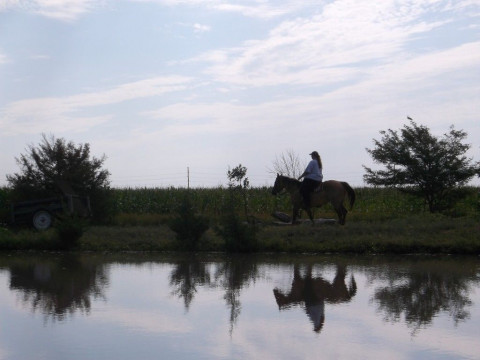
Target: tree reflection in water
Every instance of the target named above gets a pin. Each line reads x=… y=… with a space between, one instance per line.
x=186 y=276
x=57 y=286
x=312 y=292
x=419 y=291
x=233 y=274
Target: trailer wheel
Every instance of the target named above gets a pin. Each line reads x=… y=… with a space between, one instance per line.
x=42 y=220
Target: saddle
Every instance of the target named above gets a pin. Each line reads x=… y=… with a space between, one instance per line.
x=318 y=188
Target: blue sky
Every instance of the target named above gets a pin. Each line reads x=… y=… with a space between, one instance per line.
x=159 y=86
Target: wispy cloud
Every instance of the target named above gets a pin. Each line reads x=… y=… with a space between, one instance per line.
x=250 y=8
x=65 y=10
x=199 y=28
x=40 y=57
x=3 y=59
x=306 y=50
x=28 y=116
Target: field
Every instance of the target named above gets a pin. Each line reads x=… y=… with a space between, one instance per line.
x=136 y=205
x=382 y=221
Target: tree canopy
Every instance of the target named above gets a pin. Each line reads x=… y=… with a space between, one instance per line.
x=422 y=164
x=54 y=160
x=56 y=163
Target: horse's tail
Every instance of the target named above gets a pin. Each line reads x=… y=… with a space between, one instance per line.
x=350 y=192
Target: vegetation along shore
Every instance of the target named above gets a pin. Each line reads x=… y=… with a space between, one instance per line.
x=383 y=220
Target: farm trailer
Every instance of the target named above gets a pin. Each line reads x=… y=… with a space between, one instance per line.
x=40 y=213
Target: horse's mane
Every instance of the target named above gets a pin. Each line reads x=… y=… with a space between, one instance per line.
x=290 y=180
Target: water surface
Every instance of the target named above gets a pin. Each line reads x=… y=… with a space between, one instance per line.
x=138 y=306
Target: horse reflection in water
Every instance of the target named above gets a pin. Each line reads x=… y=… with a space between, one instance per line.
x=313 y=292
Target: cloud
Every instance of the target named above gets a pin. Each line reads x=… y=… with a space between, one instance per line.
x=249 y=8
x=3 y=59
x=400 y=80
x=33 y=115
x=9 y=4
x=199 y=28
x=40 y=57
x=260 y=9
x=306 y=50
x=66 y=10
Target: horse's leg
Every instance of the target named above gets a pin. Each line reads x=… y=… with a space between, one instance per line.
x=338 y=210
x=342 y=214
x=345 y=211
x=310 y=215
x=294 y=215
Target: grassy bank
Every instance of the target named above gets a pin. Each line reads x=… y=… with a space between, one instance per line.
x=415 y=234
x=382 y=221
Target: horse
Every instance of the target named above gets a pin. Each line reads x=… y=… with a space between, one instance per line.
x=332 y=191
x=313 y=292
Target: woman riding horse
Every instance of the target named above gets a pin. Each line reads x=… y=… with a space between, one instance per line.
x=333 y=192
x=313 y=177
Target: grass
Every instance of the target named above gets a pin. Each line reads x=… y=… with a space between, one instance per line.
x=432 y=234
x=414 y=234
x=382 y=221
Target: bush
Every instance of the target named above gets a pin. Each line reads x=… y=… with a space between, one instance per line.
x=4 y=205
x=188 y=226
x=239 y=235
x=69 y=230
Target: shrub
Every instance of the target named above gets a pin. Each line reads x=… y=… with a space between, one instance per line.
x=4 y=205
x=188 y=226
x=239 y=236
x=69 y=230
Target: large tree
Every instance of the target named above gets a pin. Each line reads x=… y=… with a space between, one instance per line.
x=55 y=161
x=419 y=163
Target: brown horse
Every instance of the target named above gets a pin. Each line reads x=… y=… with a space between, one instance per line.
x=333 y=192
x=312 y=293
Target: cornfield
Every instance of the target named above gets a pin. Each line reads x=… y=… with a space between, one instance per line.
x=371 y=203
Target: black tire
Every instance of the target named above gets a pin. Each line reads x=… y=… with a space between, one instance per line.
x=42 y=220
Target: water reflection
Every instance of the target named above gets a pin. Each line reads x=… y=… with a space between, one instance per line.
x=187 y=275
x=413 y=290
x=233 y=274
x=312 y=292
x=57 y=286
x=417 y=291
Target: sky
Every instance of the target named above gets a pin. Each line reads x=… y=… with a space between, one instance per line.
x=177 y=92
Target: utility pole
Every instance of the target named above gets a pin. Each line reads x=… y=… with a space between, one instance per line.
x=188 y=177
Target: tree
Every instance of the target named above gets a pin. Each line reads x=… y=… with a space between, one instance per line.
x=239 y=236
x=238 y=180
x=55 y=160
x=288 y=164
x=422 y=164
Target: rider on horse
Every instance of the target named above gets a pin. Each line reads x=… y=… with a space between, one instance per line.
x=312 y=177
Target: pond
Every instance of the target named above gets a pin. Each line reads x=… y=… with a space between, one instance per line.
x=213 y=306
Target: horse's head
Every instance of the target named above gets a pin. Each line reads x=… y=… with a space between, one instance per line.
x=278 y=186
